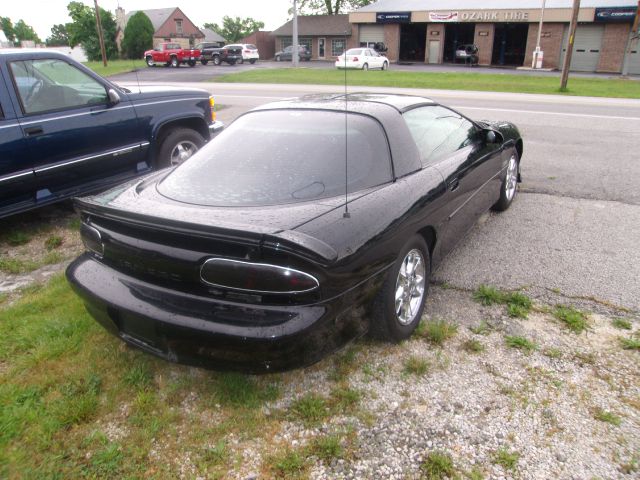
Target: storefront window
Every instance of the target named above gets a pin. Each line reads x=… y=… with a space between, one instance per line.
x=337 y=46
x=287 y=41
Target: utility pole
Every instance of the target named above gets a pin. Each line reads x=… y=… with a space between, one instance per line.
x=538 y=53
x=634 y=34
x=295 y=53
x=100 y=35
x=572 y=34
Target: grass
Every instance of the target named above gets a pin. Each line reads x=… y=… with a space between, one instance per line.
x=115 y=67
x=327 y=448
x=288 y=465
x=311 y=409
x=416 y=366
x=518 y=304
x=17 y=237
x=437 y=331
x=593 y=87
x=630 y=343
x=437 y=466
x=573 y=319
x=483 y=328
x=621 y=323
x=607 y=417
x=506 y=459
x=52 y=242
x=520 y=343
x=473 y=346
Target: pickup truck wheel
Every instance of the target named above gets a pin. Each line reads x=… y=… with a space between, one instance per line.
x=252 y=61
x=177 y=146
x=204 y=62
x=216 y=59
x=174 y=62
x=192 y=63
x=277 y=58
x=241 y=61
x=150 y=62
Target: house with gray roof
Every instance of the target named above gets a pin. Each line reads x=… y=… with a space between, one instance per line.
x=170 y=25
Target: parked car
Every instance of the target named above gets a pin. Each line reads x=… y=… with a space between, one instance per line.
x=249 y=52
x=171 y=54
x=228 y=261
x=467 y=53
x=287 y=54
x=66 y=131
x=218 y=53
x=363 y=59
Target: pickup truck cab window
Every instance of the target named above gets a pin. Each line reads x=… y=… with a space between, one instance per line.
x=52 y=84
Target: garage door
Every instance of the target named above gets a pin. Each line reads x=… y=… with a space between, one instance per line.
x=370 y=34
x=586 y=47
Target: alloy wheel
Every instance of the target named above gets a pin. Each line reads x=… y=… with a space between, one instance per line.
x=182 y=151
x=410 y=286
x=512 y=178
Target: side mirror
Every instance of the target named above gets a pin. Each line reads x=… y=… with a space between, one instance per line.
x=114 y=98
x=491 y=136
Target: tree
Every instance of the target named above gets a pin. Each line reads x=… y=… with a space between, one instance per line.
x=59 y=36
x=331 y=7
x=82 y=31
x=234 y=29
x=7 y=27
x=138 y=35
x=25 y=32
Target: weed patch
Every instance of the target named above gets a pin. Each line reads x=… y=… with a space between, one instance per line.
x=630 y=343
x=573 y=319
x=520 y=343
x=439 y=331
x=416 y=366
x=506 y=459
x=473 y=346
x=607 y=417
x=437 y=466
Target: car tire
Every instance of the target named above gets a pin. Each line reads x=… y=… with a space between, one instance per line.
x=192 y=63
x=216 y=60
x=150 y=62
x=385 y=66
x=174 y=62
x=241 y=61
x=277 y=58
x=178 y=145
x=394 y=319
x=252 y=61
x=365 y=66
x=509 y=186
x=204 y=62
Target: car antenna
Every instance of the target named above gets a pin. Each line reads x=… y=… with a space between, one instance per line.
x=346 y=213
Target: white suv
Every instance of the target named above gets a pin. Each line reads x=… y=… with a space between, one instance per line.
x=249 y=52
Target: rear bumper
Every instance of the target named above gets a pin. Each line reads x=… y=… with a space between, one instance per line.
x=213 y=333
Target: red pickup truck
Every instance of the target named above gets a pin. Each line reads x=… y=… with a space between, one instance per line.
x=171 y=54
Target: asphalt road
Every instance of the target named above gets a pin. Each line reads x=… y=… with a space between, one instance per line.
x=575 y=226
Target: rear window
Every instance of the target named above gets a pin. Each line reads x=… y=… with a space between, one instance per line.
x=354 y=51
x=251 y=47
x=283 y=156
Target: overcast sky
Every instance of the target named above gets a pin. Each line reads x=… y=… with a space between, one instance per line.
x=43 y=14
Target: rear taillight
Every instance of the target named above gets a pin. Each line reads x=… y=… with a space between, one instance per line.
x=354 y=59
x=256 y=277
x=247 y=51
x=212 y=105
x=92 y=239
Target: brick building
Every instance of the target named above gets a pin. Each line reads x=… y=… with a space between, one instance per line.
x=170 y=24
x=324 y=35
x=505 y=31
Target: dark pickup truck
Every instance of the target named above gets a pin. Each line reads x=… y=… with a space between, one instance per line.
x=217 y=53
x=65 y=131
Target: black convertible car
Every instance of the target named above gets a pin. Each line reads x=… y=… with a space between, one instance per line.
x=305 y=224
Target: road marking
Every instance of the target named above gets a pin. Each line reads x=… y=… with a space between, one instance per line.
x=564 y=114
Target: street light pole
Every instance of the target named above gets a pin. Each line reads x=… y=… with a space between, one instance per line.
x=537 y=52
x=572 y=34
x=295 y=53
x=100 y=35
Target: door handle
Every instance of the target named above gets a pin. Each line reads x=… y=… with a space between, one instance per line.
x=33 y=131
x=454 y=184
